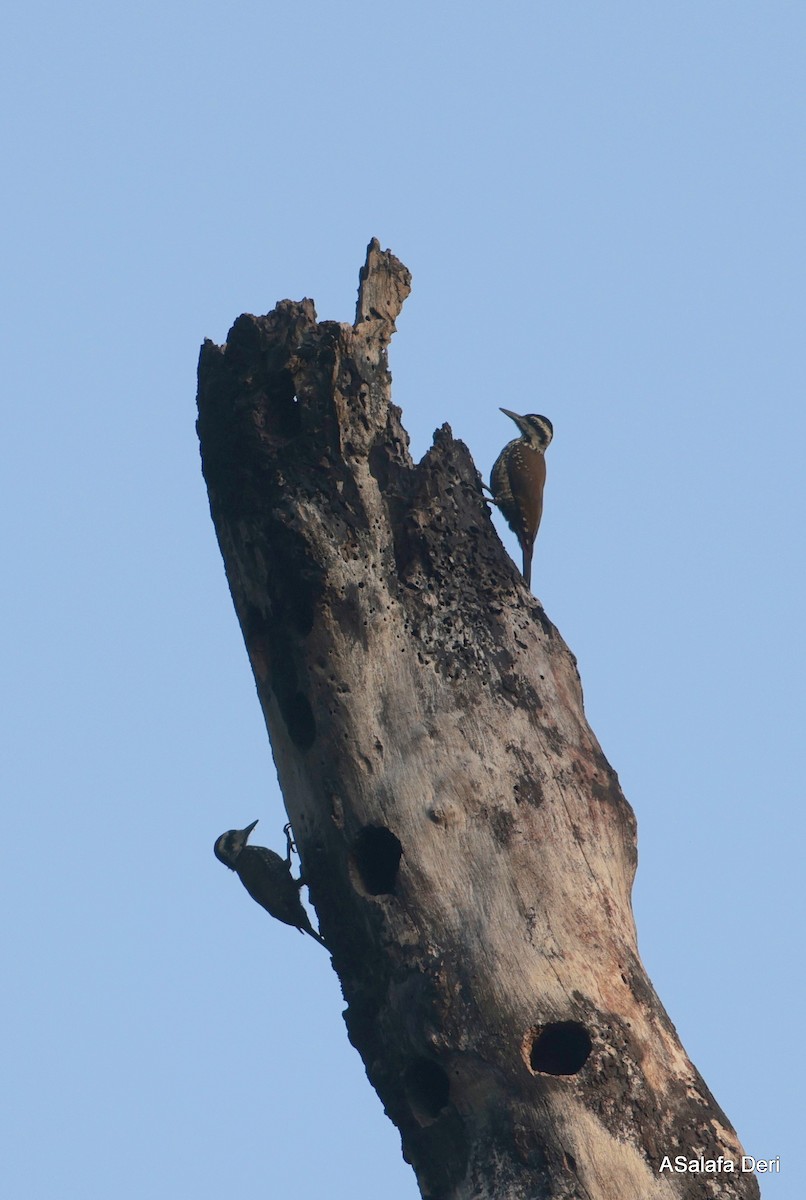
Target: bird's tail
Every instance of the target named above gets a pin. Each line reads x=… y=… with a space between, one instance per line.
x=527 y=564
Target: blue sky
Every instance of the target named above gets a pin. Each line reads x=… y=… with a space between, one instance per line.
x=602 y=207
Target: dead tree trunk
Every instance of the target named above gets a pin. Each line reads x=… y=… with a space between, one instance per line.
x=468 y=849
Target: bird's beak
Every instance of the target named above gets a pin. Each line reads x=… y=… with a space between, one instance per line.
x=516 y=417
x=249 y=829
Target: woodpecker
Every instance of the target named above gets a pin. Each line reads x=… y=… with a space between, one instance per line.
x=266 y=877
x=517 y=480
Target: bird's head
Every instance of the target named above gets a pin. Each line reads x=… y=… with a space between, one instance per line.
x=230 y=844
x=537 y=430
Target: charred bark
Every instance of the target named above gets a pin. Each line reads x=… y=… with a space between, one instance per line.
x=467 y=846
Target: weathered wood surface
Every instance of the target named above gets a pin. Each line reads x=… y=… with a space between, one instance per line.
x=469 y=851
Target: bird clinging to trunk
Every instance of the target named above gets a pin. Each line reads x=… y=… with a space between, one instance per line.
x=517 y=480
x=266 y=877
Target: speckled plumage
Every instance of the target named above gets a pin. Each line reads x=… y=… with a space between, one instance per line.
x=518 y=478
x=266 y=877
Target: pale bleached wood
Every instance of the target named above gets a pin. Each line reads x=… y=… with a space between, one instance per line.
x=411 y=684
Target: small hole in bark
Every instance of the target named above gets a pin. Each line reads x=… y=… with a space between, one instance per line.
x=427 y=1089
x=376 y=856
x=561 y=1048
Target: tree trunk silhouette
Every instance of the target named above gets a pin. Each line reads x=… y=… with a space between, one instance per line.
x=468 y=849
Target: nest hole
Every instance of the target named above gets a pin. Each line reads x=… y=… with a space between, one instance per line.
x=561 y=1048
x=376 y=858
x=427 y=1089
x=299 y=720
